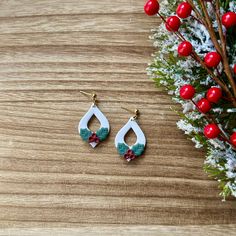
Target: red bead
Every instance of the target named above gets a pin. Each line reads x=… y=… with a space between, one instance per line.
x=151 y=7
x=229 y=19
x=173 y=23
x=214 y=94
x=185 y=49
x=204 y=105
x=211 y=131
x=187 y=91
x=235 y=69
x=212 y=59
x=233 y=139
x=184 y=10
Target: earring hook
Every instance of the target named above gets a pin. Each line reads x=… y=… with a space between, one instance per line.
x=136 y=112
x=92 y=95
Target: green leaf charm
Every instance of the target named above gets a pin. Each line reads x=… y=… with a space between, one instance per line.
x=85 y=134
x=122 y=148
x=138 y=149
x=102 y=133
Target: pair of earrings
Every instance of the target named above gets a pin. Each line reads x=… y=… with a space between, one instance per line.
x=94 y=138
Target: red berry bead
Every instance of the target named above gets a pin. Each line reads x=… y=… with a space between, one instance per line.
x=184 y=10
x=235 y=69
x=233 y=139
x=185 y=49
x=151 y=7
x=211 y=131
x=212 y=59
x=229 y=19
x=173 y=23
x=204 y=105
x=187 y=91
x=214 y=94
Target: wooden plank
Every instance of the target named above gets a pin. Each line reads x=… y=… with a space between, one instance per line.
x=84 y=22
x=139 y=230
x=135 y=39
x=55 y=7
x=51 y=182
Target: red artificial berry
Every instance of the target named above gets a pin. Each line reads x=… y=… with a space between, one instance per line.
x=184 y=10
x=212 y=59
x=185 y=49
x=151 y=7
x=204 y=105
x=214 y=94
x=229 y=19
x=235 y=69
x=233 y=139
x=173 y=23
x=187 y=91
x=211 y=131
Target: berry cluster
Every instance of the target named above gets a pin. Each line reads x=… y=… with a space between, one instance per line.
x=210 y=62
x=94 y=138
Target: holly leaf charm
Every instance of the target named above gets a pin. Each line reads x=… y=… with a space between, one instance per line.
x=85 y=134
x=122 y=148
x=138 y=149
x=102 y=133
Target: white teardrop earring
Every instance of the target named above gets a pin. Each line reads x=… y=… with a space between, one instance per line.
x=126 y=151
x=93 y=138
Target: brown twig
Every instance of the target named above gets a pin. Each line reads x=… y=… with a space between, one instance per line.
x=198 y=59
x=211 y=119
x=180 y=36
x=198 y=14
x=226 y=65
x=210 y=72
x=198 y=20
x=210 y=28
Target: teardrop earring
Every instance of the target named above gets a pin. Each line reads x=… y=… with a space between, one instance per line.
x=93 y=138
x=126 y=151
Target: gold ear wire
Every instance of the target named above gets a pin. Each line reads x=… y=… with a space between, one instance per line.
x=92 y=95
x=136 y=112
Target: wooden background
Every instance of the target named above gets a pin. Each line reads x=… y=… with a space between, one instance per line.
x=49 y=178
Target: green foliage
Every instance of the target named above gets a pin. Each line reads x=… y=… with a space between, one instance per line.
x=122 y=148
x=219 y=174
x=167 y=72
x=85 y=134
x=102 y=133
x=138 y=149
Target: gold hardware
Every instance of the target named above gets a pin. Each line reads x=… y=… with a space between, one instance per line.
x=136 y=112
x=92 y=95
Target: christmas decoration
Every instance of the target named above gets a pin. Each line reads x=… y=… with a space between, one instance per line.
x=203 y=105
x=151 y=7
x=187 y=91
x=211 y=131
x=126 y=151
x=214 y=94
x=86 y=134
x=233 y=139
x=195 y=61
x=184 y=10
x=185 y=49
x=212 y=59
x=229 y=19
x=173 y=23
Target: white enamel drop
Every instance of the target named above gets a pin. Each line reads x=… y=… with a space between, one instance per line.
x=93 y=110
x=131 y=124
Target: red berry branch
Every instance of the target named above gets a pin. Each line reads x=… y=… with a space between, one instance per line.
x=211 y=60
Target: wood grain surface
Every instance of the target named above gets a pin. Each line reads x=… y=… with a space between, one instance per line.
x=51 y=182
